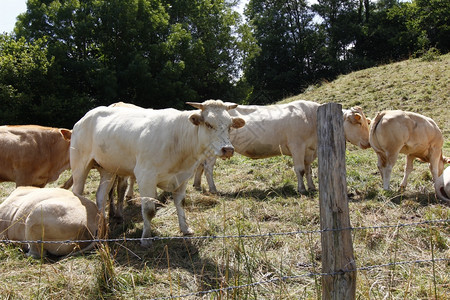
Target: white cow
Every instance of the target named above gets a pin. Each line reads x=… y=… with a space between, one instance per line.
x=395 y=131
x=442 y=186
x=48 y=214
x=161 y=148
x=289 y=129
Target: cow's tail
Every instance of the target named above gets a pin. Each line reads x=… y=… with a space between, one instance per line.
x=66 y=185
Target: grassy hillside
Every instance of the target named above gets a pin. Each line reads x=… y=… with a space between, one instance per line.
x=259 y=197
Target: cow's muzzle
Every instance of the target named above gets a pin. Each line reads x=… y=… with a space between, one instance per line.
x=227 y=152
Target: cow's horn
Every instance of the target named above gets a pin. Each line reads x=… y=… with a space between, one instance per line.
x=196 y=105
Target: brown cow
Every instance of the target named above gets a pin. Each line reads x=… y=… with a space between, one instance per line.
x=33 y=155
x=395 y=131
x=49 y=214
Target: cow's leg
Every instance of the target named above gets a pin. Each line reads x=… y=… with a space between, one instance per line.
x=298 y=156
x=130 y=188
x=116 y=210
x=147 y=189
x=122 y=185
x=436 y=165
x=106 y=184
x=178 y=197
x=198 y=176
x=385 y=164
x=209 y=171
x=408 y=169
x=309 y=158
x=80 y=172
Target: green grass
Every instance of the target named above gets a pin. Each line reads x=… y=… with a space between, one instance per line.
x=258 y=196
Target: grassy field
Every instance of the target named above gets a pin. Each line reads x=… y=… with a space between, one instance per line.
x=259 y=197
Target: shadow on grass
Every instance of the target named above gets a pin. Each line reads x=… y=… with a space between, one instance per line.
x=286 y=190
x=174 y=256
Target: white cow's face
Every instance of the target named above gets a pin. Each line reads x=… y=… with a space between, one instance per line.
x=356 y=127
x=214 y=124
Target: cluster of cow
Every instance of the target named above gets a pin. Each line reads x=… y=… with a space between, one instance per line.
x=164 y=148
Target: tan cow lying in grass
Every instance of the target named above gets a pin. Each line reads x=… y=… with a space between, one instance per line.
x=49 y=214
x=395 y=131
x=442 y=186
x=285 y=129
x=33 y=155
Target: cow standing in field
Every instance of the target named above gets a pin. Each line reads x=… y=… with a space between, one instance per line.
x=395 y=131
x=161 y=148
x=48 y=214
x=442 y=185
x=285 y=129
x=33 y=155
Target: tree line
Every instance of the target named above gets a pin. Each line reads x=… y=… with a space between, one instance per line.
x=67 y=56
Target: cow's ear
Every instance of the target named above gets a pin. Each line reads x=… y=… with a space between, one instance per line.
x=66 y=133
x=196 y=105
x=196 y=119
x=369 y=121
x=237 y=123
x=357 y=117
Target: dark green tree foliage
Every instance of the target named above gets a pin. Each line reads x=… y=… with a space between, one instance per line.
x=148 y=52
x=30 y=92
x=289 y=49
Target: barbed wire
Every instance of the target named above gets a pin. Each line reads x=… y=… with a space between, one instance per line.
x=293 y=277
x=207 y=237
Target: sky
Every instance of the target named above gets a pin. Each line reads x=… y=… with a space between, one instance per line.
x=9 y=10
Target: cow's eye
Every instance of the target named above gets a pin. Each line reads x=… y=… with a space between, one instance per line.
x=208 y=125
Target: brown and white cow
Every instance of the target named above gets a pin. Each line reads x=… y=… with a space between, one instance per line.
x=395 y=131
x=33 y=155
x=161 y=148
x=285 y=129
x=49 y=214
x=442 y=186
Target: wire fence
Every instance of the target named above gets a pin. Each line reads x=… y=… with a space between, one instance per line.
x=208 y=237
x=270 y=234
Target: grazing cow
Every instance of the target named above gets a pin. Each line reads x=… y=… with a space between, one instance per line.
x=161 y=148
x=442 y=186
x=395 y=131
x=289 y=129
x=33 y=155
x=48 y=214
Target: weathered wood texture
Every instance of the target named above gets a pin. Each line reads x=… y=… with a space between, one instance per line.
x=337 y=247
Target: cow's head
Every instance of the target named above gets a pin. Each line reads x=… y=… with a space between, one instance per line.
x=356 y=127
x=214 y=124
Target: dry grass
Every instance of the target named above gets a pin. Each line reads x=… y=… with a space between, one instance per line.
x=258 y=196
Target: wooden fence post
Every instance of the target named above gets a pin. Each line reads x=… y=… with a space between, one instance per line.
x=337 y=247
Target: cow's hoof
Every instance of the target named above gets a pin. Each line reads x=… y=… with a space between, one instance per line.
x=146 y=243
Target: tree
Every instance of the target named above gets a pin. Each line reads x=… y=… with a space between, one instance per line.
x=148 y=52
x=29 y=93
x=288 y=45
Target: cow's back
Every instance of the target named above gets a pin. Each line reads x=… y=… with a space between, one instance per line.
x=270 y=129
x=33 y=155
x=118 y=137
